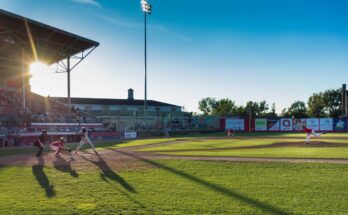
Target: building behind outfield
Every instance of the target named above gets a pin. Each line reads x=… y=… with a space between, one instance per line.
x=129 y=113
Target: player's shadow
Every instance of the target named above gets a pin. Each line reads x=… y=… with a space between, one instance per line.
x=109 y=174
x=65 y=166
x=42 y=179
x=218 y=188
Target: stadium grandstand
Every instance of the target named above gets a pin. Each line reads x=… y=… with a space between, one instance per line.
x=22 y=42
x=128 y=114
x=23 y=114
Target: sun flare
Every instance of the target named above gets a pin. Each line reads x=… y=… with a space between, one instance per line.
x=43 y=79
x=37 y=68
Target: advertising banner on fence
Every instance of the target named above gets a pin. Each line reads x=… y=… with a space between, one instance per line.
x=273 y=125
x=313 y=123
x=340 y=124
x=326 y=124
x=298 y=123
x=234 y=124
x=286 y=124
x=260 y=124
x=130 y=134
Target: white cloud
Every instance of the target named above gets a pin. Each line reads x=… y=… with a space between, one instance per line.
x=90 y=2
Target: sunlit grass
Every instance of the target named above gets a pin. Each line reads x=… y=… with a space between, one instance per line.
x=280 y=152
x=200 y=144
x=178 y=187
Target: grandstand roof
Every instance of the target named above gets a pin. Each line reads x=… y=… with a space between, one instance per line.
x=51 y=44
x=128 y=102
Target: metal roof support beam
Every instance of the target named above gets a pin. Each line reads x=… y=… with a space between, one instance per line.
x=83 y=57
x=68 y=73
x=23 y=81
x=61 y=64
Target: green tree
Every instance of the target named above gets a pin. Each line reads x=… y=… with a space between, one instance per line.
x=272 y=112
x=259 y=109
x=206 y=105
x=332 y=102
x=316 y=105
x=241 y=111
x=273 y=109
x=224 y=107
x=297 y=109
x=262 y=108
x=252 y=108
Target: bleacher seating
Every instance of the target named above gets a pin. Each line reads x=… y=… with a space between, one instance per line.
x=46 y=109
x=10 y=102
x=39 y=109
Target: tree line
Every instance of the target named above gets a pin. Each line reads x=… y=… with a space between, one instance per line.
x=322 y=104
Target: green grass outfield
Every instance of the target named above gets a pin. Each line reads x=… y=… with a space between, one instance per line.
x=285 y=152
x=242 y=146
x=183 y=186
x=178 y=187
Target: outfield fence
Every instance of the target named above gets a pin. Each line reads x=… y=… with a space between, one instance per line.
x=283 y=124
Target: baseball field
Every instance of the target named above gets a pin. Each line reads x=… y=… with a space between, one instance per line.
x=261 y=173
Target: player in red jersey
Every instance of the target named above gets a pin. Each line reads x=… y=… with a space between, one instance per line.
x=310 y=132
x=59 y=146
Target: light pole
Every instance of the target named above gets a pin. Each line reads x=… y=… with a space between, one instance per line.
x=147 y=9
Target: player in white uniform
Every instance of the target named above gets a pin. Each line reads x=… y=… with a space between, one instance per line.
x=84 y=139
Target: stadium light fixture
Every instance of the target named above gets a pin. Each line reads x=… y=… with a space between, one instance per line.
x=147 y=9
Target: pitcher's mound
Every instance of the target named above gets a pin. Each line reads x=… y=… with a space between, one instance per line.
x=310 y=144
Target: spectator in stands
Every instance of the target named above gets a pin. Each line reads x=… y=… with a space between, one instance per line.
x=17 y=140
x=6 y=142
x=10 y=138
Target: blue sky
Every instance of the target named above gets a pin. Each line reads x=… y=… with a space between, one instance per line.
x=274 y=50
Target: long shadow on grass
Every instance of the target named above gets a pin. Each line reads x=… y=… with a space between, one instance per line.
x=42 y=179
x=64 y=166
x=218 y=188
x=108 y=173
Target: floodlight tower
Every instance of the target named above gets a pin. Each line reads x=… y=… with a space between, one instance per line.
x=147 y=9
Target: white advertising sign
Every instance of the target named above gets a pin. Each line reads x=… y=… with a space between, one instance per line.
x=298 y=123
x=235 y=124
x=130 y=134
x=260 y=124
x=326 y=124
x=286 y=124
x=313 y=123
x=273 y=124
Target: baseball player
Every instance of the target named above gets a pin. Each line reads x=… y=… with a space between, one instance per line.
x=85 y=139
x=310 y=132
x=166 y=132
x=58 y=146
x=39 y=142
x=230 y=132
